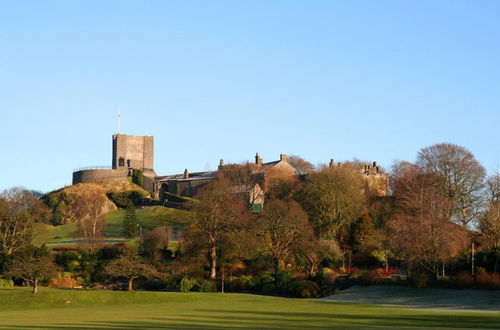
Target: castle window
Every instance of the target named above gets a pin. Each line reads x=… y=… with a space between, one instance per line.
x=128 y=163
x=121 y=162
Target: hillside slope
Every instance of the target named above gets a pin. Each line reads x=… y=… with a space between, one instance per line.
x=62 y=201
x=147 y=217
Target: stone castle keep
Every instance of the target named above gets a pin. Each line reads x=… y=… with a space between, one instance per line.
x=129 y=152
x=137 y=153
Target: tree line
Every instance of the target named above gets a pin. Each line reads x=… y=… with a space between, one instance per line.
x=317 y=231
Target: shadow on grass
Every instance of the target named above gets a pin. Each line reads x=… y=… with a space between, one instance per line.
x=224 y=319
x=451 y=299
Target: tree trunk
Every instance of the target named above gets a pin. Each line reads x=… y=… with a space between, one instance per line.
x=213 y=261
x=277 y=266
x=130 y=284
x=35 y=286
x=312 y=271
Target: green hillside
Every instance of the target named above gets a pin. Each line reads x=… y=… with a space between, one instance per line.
x=148 y=217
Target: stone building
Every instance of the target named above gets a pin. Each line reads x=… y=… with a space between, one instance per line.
x=129 y=152
x=133 y=152
x=137 y=153
x=188 y=184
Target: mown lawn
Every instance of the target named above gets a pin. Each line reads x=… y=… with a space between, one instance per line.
x=62 y=309
x=147 y=217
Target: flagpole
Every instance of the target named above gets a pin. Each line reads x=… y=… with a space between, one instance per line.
x=118 y=120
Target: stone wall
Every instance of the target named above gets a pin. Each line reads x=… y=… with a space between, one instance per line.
x=100 y=175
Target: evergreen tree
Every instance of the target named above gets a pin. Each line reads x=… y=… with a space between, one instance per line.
x=130 y=225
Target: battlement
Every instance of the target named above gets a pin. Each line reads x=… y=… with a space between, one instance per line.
x=366 y=168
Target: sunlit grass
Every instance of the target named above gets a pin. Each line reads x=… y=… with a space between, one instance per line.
x=58 y=308
x=147 y=217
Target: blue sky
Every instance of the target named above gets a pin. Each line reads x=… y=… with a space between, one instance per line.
x=375 y=80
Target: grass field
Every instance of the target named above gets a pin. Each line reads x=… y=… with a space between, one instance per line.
x=147 y=217
x=62 y=309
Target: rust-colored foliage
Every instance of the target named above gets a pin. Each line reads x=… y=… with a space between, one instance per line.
x=421 y=229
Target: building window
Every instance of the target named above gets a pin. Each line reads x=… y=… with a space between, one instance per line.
x=128 y=163
x=121 y=162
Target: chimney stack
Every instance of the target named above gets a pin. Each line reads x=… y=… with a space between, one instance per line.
x=282 y=157
x=258 y=159
x=221 y=164
x=331 y=164
x=186 y=174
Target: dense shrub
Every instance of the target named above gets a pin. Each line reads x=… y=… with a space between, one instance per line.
x=265 y=279
x=124 y=199
x=117 y=250
x=62 y=282
x=485 y=280
x=328 y=275
x=138 y=177
x=307 y=289
x=375 y=276
x=6 y=283
x=244 y=283
x=187 y=284
x=204 y=286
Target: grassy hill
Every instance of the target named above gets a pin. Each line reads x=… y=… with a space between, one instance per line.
x=148 y=217
x=87 y=309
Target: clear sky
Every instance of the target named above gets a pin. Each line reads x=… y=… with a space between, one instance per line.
x=375 y=80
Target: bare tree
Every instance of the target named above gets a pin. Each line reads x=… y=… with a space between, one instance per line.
x=32 y=269
x=88 y=208
x=300 y=164
x=314 y=252
x=17 y=215
x=461 y=178
x=422 y=232
x=218 y=214
x=493 y=188
x=155 y=241
x=131 y=269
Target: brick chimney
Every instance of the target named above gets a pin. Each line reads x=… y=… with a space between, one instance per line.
x=331 y=164
x=282 y=157
x=221 y=164
x=186 y=174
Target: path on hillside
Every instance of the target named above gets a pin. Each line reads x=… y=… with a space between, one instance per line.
x=466 y=299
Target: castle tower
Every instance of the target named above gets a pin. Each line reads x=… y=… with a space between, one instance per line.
x=131 y=151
